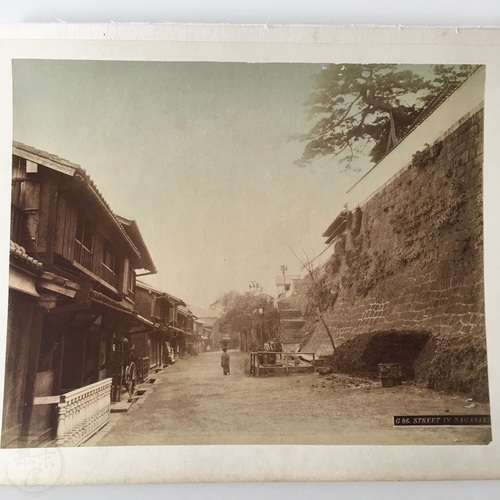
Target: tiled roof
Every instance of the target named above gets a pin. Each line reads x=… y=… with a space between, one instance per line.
x=132 y=229
x=185 y=311
x=210 y=320
x=439 y=99
x=44 y=154
x=95 y=189
x=59 y=280
x=168 y=296
x=175 y=299
x=141 y=284
x=337 y=223
x=104 y=299
x=18 y=252
x=434 y=104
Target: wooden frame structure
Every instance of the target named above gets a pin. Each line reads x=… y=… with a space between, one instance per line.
x=282 y=363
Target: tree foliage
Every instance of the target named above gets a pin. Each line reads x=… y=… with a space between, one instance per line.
x=360 y=106
x=240 y=312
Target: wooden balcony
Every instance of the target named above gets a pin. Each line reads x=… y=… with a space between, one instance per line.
x=83 y=256
x=85 y=259
x=109 y=275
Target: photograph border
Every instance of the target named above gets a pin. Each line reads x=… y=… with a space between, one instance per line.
x=318 y=44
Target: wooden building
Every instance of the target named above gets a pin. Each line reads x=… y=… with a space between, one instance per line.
x=208 y=332
x=158 y=343
x=185 y=322
x=201 y=333
x=79 y=296
x=220 y=334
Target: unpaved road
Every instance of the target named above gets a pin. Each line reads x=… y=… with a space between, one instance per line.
x=193 y=403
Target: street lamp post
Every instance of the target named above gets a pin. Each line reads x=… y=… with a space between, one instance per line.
x=261 y=314
x=284 y=269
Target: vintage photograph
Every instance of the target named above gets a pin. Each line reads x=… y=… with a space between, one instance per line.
x=212 y=253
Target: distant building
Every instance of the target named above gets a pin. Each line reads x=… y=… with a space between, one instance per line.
x=222 y=335
x=285 y=284
x=186 y=322
x=152 y=345
x=208 y=330
x=337 y=229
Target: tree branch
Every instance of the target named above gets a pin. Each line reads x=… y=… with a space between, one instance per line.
x=308 y=265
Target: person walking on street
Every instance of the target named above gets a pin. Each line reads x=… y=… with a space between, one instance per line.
x=224 y=361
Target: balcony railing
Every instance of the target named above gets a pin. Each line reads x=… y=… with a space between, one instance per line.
x=109 y=275
x=83 y=255
x=86 y=258
x=82 y=412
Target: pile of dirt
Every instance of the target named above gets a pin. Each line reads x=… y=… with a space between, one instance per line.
x=340 y=381
x=454 y=363
x=362 y=354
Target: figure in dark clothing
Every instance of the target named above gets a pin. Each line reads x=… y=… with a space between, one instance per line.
x=224 y=361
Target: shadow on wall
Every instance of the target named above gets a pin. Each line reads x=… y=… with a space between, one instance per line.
x=444 y=362
x=362 y=354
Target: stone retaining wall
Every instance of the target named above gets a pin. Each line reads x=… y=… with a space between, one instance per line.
x=412 y=258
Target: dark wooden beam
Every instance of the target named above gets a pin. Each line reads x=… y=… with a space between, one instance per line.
x=68 y=308
x=34 y=352
x=51 y=220
x=59 y=361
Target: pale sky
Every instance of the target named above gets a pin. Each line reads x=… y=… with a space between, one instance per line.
x=199 y=154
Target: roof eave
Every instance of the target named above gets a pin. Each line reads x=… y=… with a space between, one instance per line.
x=74 y=170
x=136 y=235
x=341 y=217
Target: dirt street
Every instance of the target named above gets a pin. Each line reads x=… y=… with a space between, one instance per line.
x=193 y=403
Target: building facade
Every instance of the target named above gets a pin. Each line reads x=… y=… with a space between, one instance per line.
x=79 y=296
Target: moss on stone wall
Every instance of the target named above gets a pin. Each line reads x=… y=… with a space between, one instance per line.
x=422 y=159
x=455 y=364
